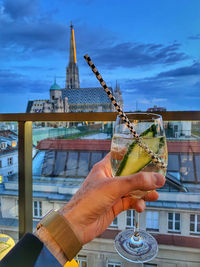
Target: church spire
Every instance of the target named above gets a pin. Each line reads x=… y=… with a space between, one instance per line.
x=72 y=74
x=72 y=51
x=118 y=94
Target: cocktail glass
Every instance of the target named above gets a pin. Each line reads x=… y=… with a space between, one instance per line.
x=127 y=157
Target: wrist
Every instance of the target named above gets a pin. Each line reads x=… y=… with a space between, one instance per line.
x=43 y=234
x=61 y=235
x=73 y=220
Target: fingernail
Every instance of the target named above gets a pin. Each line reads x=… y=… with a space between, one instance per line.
x=159 y=179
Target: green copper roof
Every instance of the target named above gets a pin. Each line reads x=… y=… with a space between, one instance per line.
x=55 y=86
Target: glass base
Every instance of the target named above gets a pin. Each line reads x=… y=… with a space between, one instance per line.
x=136 y=248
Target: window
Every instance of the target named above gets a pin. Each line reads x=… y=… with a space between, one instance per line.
x=195 y=223
x=174 y=221
x=72 y=164
x=10 y=161
x=38 y=163
x=83 y=164
x=13 y=143
x=152 y=220
x=37 y=209
x=3 y=145
x=95 y=157
x=114 y=264
x=82 y=261
x=175 y=128
x=48 y=163
x=114 y=223
x=130 y=218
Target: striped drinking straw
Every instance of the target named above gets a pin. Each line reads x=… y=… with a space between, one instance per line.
x=154 y=158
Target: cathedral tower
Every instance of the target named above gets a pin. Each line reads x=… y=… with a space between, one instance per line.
x=118 y=95
x=72 y=74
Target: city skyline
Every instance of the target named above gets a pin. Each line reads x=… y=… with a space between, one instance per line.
x=151 y=48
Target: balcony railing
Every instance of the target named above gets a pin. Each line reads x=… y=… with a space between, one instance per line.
x=25 y=144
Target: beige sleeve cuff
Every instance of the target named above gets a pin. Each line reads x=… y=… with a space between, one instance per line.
x=62 y=233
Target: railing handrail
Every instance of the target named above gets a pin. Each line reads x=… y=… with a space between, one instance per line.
x=93 y=116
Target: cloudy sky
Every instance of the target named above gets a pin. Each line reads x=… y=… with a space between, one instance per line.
x=151 y=47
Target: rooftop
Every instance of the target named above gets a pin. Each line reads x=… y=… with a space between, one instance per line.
x=86 y=95
x=55 y=86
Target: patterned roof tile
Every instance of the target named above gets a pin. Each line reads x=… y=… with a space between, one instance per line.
x=94 y=95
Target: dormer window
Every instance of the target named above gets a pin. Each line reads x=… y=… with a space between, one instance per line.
x=3 y=145
x=13 y=143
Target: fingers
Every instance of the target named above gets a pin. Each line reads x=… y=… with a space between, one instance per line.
x=145 y=181
x=140 y=205
x=129 y=203
x=126 y=203
x=151 y=196
x=136 y=204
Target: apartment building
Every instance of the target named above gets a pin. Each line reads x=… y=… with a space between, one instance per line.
x=60 y=166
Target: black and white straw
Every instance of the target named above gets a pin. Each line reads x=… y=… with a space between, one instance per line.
x=154 y=158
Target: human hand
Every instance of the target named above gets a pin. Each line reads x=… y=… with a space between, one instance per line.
x=101 y=198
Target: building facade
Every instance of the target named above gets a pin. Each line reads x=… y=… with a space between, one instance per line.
x=61 y=165
x=8 y=153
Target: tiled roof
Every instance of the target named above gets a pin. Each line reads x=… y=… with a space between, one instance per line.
x=74 y=158
x=75 y=144
x=86 y=95
x=183 y=146
x=90 y=144
x=174 y=205
x=7 y=133
x=37 y=194
x=8 y=150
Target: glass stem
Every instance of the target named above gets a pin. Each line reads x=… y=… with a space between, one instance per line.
x=136 y=231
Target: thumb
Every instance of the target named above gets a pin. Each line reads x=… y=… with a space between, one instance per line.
x=145 y=181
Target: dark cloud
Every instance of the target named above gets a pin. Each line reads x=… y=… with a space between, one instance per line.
x=16 y=83
x=176 y=89
x=183 y=71
x=41 y=36
x=26 y=31
x=148 y=86
x=130 y=55
x=21 y=8
x=194 y=37
x=33 y=34
x=32 y=37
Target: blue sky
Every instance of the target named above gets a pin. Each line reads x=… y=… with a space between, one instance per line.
x=151 y=47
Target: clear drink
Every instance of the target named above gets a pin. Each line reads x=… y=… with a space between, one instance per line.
x=119 y=148
x=128 y=156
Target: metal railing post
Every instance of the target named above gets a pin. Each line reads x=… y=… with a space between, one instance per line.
x=25 y=177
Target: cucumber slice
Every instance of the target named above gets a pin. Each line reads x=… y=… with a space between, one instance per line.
x=136 y=158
